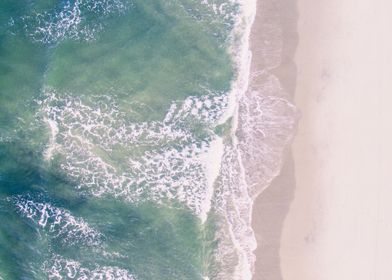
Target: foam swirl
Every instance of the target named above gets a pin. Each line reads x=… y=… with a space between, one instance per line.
x=70 y=21
x=58 y=222
x=59 y=268
x=108 y=154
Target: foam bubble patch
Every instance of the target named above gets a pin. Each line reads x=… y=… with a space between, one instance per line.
x=59 y=223
x=69 y=22
x=59 y=268
x=109 y=154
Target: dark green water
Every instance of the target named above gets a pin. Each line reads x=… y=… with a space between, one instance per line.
x=105 y=109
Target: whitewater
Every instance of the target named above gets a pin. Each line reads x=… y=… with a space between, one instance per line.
x=148 y=168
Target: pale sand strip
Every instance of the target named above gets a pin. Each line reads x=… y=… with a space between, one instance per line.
x=339 y=226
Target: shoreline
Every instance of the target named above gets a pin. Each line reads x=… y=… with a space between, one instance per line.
x=271 y=206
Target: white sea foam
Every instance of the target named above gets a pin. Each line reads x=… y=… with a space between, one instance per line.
x=108 y=154
x=5 y=139
x=52 y=142
x=69 y=22
x=263 y=125
x=249 y=165
x=267 y=126
x=60 y=268
x=212 y=160
x=233 y=201
x=58 y=222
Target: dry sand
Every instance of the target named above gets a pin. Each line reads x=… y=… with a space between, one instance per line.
x=338 y=225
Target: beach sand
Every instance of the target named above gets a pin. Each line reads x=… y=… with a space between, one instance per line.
x=339 y=223
x=328 y=216
x=271 y=206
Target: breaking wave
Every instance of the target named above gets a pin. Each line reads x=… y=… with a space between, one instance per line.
x=59 y=223
x=71 y=21
x=108 y=154
x=60 y=268
x=264 y=123
x=182 y=158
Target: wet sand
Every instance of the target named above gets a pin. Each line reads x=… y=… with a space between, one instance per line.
x=271 y=206
x=328 y=215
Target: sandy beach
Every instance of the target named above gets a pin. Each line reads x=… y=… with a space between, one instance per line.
x=328 y=215
x=271 y=206
x=339 y=224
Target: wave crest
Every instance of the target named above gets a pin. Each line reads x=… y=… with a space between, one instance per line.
x=70 y=21
x=59 y=223
x=59 y=268
x=107 y=153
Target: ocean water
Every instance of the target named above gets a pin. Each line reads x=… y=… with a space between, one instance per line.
x=124 y=135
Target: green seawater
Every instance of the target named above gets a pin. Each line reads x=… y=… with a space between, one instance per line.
x=96 y=178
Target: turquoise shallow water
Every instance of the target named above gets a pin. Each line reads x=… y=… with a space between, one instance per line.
x=107 y=110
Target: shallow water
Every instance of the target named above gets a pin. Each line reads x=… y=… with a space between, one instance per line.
x=118 y=157
x=101 y=169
